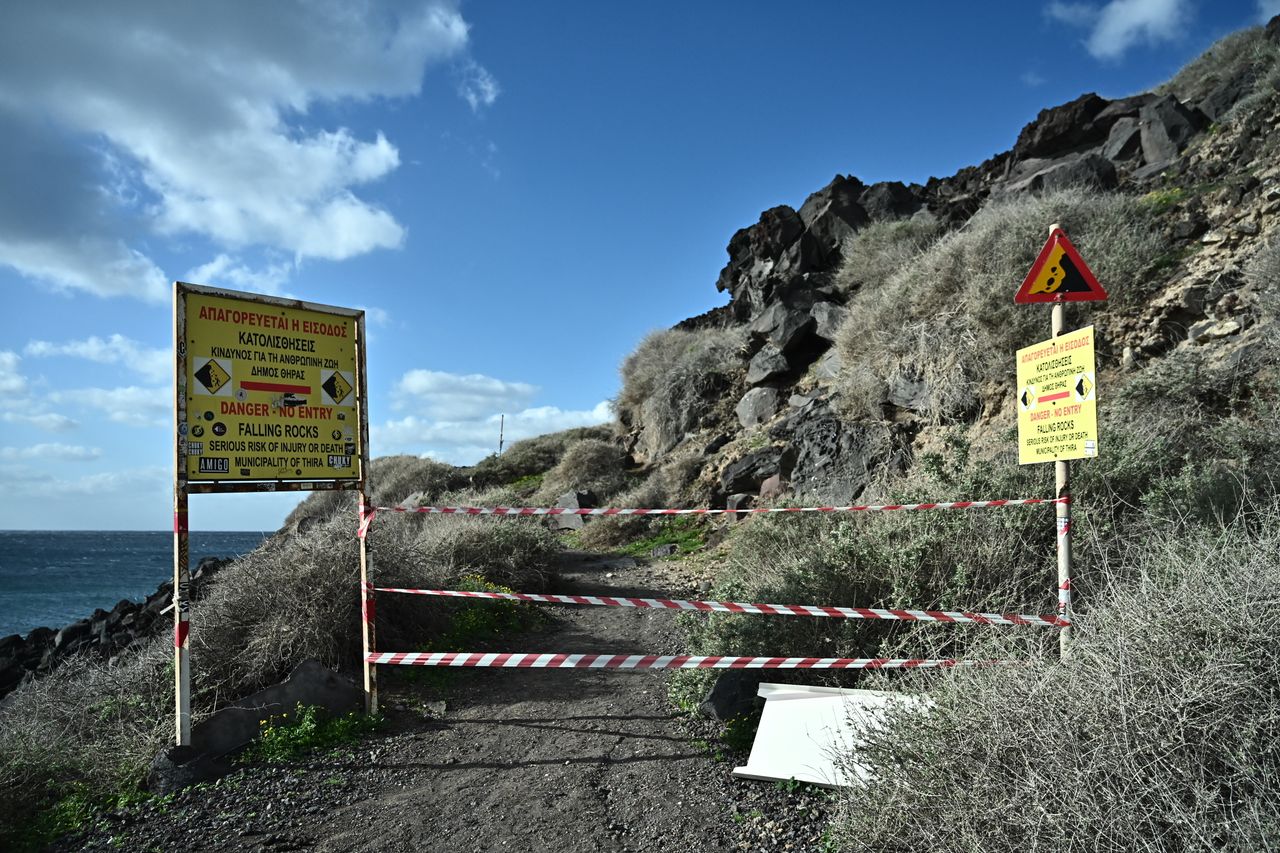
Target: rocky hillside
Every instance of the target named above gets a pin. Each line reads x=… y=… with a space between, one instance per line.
x=766 y=400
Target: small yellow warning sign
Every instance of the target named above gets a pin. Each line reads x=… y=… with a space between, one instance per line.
x=337 y=387
x=1057 y=399
x=213 y=376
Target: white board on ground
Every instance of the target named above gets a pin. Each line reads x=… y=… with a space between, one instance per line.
x=811 y=734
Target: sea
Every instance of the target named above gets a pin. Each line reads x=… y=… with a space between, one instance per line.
x=54 y=578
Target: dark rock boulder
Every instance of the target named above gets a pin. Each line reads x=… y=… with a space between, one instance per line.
x=216 y=740
x=757 y=406
x=768 y=365
x=787 y=328
x=1072 y=170
x=746 y=474
x=732 y=695
x=833 y=214
x=890 y=200
x=1064 y=128
x=1167 y=127
x=827 y=319
x=833 y=460
x=574 y=500
x=1124 y=142
x=1089 y=170
x=764 y=258
x=1272 y=31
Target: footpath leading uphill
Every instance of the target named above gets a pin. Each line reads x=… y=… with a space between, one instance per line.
x=565 y=760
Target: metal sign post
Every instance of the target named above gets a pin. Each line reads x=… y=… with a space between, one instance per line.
x=1056 y=390
x=1062 y=490
x=269 y=396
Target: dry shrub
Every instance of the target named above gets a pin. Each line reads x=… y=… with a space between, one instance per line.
x=391 y=480
x=1160 y=732
x=947 y=318
x=674 y=382
x=588 y=465
x=84 y=723
x=667 y=486
x=1243 y=54
x=295 y=597
x=531 y=456
x=1263 y=273
x=879 y=250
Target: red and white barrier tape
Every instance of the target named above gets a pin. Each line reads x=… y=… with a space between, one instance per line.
x=555 y=510
x=955 y=616
x=548 y=660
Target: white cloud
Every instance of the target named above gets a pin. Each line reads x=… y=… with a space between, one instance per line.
x=47 y=421
x=477 y=87
x=1122 y=24
x=65 y=452
x=131 y=405
x=155 y=365
x=1268 y=9
x=11 y=379
x=1031 y=79
x=1076 y=14
x=130 y=481
x=453 y=396
x=465 y=442
x=226 y=271
x=133 y=118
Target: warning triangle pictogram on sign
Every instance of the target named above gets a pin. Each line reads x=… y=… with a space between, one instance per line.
x=1059 y=275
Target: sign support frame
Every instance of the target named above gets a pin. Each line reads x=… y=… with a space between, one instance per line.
x=181 y=544
x=184 y=487
x=368 y=638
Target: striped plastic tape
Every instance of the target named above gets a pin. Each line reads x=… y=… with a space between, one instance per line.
x=952 y=616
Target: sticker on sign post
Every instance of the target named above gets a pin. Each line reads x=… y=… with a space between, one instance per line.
x=1057 y=399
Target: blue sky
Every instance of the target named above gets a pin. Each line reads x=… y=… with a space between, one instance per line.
x=515 y=192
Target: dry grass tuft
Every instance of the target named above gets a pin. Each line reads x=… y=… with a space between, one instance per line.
x=1161 y=732
x=674 y=380
x=588 y=465
x=947 y=318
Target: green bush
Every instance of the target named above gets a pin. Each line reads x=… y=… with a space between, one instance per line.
x=947 y=318
x=285 y=737
x=1160 y=732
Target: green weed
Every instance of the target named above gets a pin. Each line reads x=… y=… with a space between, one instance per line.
x=285 y=737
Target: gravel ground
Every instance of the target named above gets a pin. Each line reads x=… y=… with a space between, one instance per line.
x=564 y=760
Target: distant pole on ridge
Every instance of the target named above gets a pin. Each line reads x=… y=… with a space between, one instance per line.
x=502 y=423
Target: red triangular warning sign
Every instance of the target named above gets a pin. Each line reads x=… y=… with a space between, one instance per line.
x=1059 y=275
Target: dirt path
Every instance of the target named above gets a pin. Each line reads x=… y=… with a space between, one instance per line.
x=564 y=760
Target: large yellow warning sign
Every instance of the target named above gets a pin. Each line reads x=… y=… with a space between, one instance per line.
x=270 y=391
x=1057 y=399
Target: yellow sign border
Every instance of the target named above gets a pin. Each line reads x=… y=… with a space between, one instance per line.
x=353 y=429
x=1056 y=399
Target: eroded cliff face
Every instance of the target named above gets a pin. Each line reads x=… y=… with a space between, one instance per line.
x=1200 y=153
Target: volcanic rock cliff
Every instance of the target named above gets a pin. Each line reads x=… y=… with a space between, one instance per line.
x=1200 y=153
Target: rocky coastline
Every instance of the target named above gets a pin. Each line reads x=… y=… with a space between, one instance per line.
x=104 y=635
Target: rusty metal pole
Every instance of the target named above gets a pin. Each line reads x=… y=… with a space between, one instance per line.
x=1062 y=490
x=368 y=634
x=181 y=547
